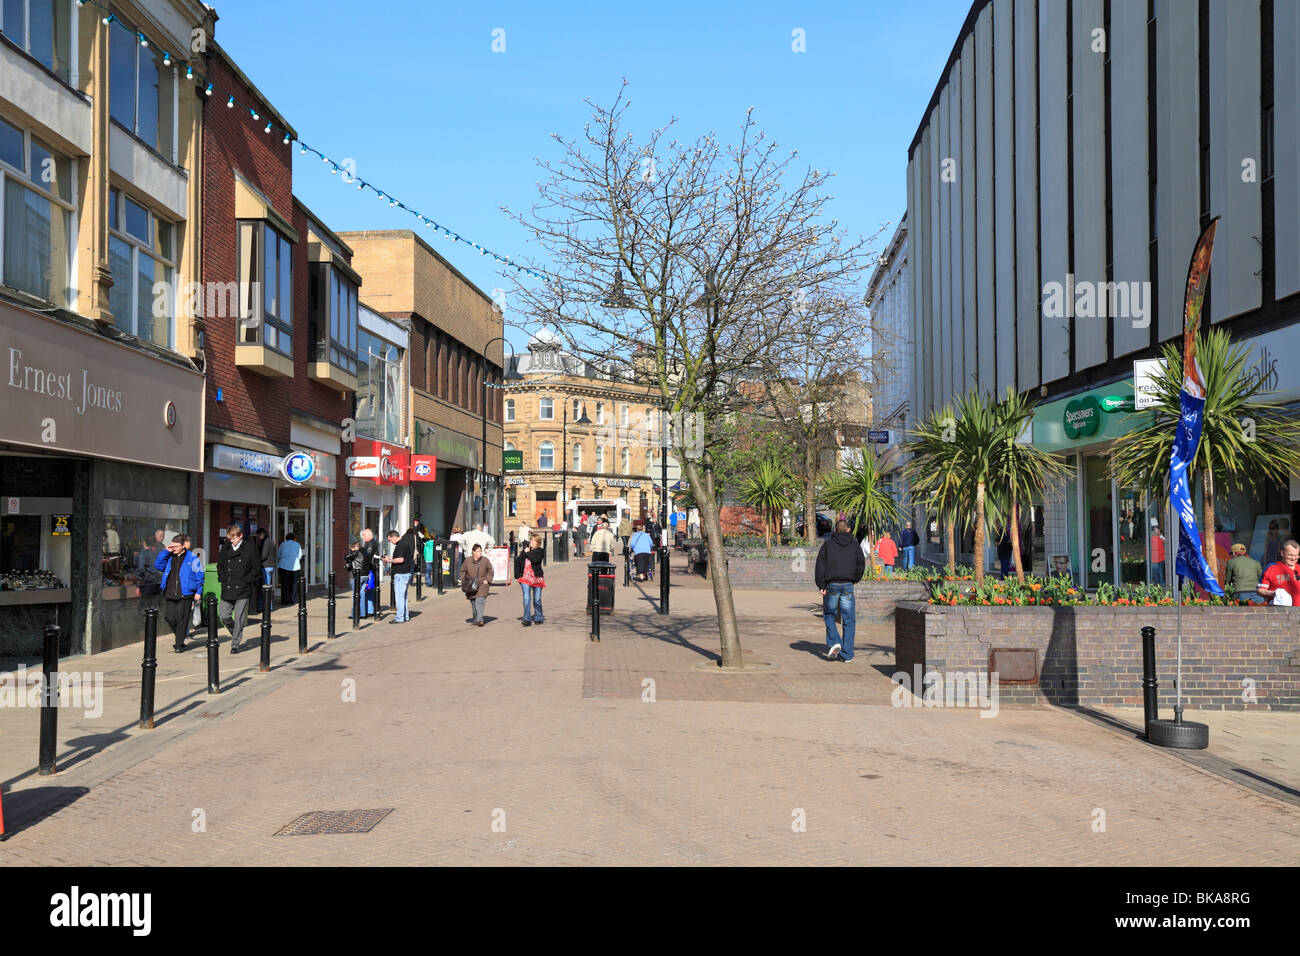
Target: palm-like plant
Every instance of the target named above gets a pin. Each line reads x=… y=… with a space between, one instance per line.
x=858 y=490
x=1021 y=471
x=934 y=472
x=767 y=488
x=1243 y=437
x=978 y=437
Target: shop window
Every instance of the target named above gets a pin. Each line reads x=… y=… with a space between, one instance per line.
x=141 y=254
x=37 y=216
x=43 y=29
x=131 y=546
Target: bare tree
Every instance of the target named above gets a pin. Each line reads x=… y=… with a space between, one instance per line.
x=676 y=264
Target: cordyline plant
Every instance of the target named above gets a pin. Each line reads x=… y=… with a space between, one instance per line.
x=1244 y=437
x=677 y=265
x=858 y=490
x=934 y=472
x=767 y=488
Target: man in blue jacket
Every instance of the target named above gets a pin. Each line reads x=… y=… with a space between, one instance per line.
x=182 y=584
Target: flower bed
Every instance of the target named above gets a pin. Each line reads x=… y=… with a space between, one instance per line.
x=1060 y=591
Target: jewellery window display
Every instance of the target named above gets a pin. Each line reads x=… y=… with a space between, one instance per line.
x=131 y=546
x=35 y=558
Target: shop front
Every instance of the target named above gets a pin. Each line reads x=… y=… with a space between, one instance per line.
x=444 y=503
x=239 y=487
x=379 y=476
x=304 y=507
x=100 y=448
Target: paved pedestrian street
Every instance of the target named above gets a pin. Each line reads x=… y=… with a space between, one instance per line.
x=512 y=745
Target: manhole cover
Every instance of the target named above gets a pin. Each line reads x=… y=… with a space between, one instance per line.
x=334 y=821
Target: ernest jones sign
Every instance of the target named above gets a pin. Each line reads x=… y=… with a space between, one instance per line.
x=71 y=390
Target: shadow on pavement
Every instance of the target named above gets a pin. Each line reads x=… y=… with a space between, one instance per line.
x=25 y=808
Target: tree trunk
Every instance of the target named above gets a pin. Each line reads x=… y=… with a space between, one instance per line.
x=1207 y=510
x=979 y=534
x=1015 y=538
x=701 y=476
x=767 y=530
x=810 y=497
x=950 y=533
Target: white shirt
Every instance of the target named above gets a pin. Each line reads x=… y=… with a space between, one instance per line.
x=471 y=538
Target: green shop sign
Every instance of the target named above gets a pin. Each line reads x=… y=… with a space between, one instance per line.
x=1117 y=403
x=1082 y=416
x=512 y=460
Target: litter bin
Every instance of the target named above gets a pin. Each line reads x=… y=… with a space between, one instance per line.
x=211 y=585
x=604 y=573
x=679 y=539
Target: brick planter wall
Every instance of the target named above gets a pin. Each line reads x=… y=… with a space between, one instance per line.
x=1093 y=655
x=792 y=570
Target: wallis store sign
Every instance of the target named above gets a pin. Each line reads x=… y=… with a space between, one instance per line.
x=72 y=390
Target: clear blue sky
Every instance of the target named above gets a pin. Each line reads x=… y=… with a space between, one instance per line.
x=412 y=93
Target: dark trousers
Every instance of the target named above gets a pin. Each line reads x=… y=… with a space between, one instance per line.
x=288 y=587
x=176 y=613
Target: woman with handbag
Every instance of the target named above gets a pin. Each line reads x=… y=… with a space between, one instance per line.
x=476 y=582
x=528 y=571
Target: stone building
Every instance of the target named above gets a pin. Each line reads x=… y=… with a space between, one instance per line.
x=607 y=462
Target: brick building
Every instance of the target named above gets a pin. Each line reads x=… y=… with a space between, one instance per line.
x=454 y=366
x=280 y=322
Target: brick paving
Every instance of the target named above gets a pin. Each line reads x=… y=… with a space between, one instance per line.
x=505 y=745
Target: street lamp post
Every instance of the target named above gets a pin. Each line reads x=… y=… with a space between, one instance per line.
x=482 y=463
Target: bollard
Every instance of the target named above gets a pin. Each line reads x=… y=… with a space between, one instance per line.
x=356 y=599
x=302 y=612
x=214 y=674
x=593 y=595
x=329 y=607
x=627 y=568
x=1150 y=706
x=419 y=583
x=663 y=580
x=392 y=588
x=267 y=597
x=50 y=700
x=437 y=566
x=148 y=668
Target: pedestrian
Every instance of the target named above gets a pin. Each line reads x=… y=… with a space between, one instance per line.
x=579 y=534
x=477 y=536
x=360 y=577
x=429 y=555
x=642 y=546
x=909 y=539
x=888 y=552
x=1282 y=580
x=840 y=565
x=267 y=549
x=1242 y=576
x=476 y=582
x=531 y=578
x=182 y=577
x=868 y=553
x=239 y=569
x=1005 y=553
x=523 y=533
x=1157 y=555
x=371 y=563
x=400 y=564
x=541 y=520
x=289 y=562
x=603 y=542
x=655 y=530
x=693 y=522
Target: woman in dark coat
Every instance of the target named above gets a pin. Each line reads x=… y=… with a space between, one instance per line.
x=476 y=582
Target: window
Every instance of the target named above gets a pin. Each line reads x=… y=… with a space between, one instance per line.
x=600 y=413
x=36 y=183
x=141 y=254
x=43 y=29
x=266 y=287
x=546 y=409
x=379 y=396
x=510 y=409
x=600 y=458
x=623 y=419
x=577 y=456
x=627 y=462
x=141 y=91
x=333 y=306
x=577 y=410
x=546 y=456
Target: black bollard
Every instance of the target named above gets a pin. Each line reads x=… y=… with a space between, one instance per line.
x=148 y=668
x=594 y=596
x=214 y=674
x=356 y=600
x=627 y=567
x=419 y=581
x=50 y=700
x=268 y=597
x=437 y=567
x=663 y=580
x=302 y=612
x=392 y=588
x=329 y=607
x=1150 y=706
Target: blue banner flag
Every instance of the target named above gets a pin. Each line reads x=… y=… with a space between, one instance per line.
x=1190 y=562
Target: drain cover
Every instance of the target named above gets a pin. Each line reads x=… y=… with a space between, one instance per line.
x=334 y=821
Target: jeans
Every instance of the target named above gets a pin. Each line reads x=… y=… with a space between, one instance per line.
x=909 y=557
x=367 y=602
x=1158 y=574
x=532 y=602
x=839 y=596
x=268 y=577
x=400 y=583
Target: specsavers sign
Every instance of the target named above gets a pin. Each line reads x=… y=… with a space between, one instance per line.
x=67 y=389
x=1100 y=415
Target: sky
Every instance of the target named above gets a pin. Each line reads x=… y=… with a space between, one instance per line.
x=414 y=94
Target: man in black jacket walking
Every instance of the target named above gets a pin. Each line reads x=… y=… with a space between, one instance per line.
x=840 y=565
x=239 y=569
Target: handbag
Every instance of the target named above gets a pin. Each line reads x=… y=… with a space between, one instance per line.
x=530 y=578
x=469 y=584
